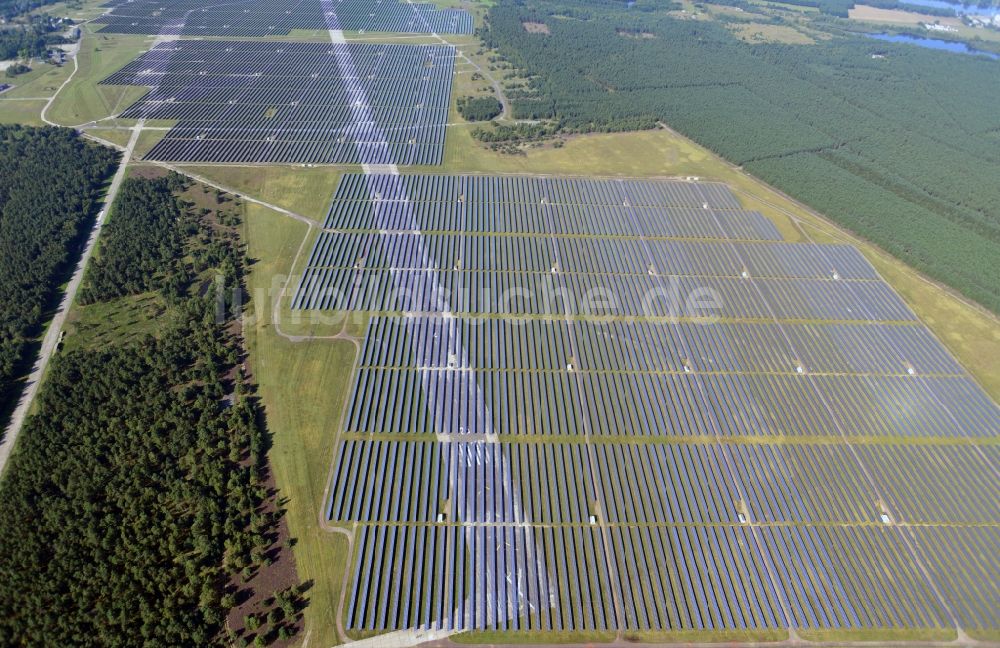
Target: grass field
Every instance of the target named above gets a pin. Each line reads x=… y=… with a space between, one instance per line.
x=785 y=6
x=119 y=136
x=304 y=190
x=880 y=635
x=113 y=322
x=83 y=100
x=41 y=83
x=14 y=111
x=765 y=33
x=303 y=386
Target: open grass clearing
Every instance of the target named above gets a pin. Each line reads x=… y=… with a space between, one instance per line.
x=532 y=637
x=41 y=83
x=879 y=634
x=83 y=99
x=303 y=386
x=306 y=190
x=119 y=136
x=766 y=33
x=771 y=4
x=127 y=319
x=709 y=636
x=897 y=16
x=25 y=112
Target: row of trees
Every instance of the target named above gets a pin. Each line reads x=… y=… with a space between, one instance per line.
x=907 y=133
x=50 y=185
x=137 y=501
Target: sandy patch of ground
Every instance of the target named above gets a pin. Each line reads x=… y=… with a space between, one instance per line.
x=536 y=28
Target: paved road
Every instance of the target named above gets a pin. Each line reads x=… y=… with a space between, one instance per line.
x=51 y=339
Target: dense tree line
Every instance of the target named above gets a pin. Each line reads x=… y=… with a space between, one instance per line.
x=50 y=184
x=137 y=493
x=115 y=511
x=140 y=245
x=479 y=108
x=896 y=148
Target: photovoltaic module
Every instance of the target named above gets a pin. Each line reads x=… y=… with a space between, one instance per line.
x=250 y=18
x=294 y=102
x=809 y=456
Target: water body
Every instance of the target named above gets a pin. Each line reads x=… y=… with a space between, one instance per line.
x=934 y=43
x=959 y=8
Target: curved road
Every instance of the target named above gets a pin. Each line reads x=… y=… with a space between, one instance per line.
x=51 y=339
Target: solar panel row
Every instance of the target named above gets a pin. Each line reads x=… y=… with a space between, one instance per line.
x=652 y=475
x=415 y=251
x=699 y=577
x=249 y=18
x=534 y=190
x=548 y=294
x=318 y=103
x=526 y=219
x=629 y=275
x=655 y=346
x=562 y=404
x=661 y=483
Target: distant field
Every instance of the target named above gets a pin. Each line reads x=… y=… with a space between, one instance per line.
x=874 y=14
x=786 y=6
x=26 y=112
x=865 y=13
x=766 y=33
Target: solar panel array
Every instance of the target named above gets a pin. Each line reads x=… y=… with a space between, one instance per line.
x=813 y=459
x=256 y=18
x=294 y=102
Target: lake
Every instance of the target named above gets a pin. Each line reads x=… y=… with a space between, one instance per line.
x=934 y=43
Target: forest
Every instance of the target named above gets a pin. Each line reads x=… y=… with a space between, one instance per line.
x=50 y=188
x=136 y=509
x=140 y=246
x=479 y=108
x=902 y=148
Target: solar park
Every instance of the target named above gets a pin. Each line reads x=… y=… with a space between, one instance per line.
x=277 y=102
x=808 y=455
x=257 y=18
